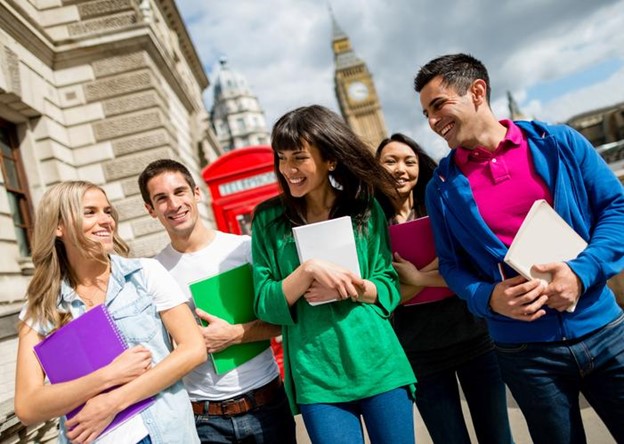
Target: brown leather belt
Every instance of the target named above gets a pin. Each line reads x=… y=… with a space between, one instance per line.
x=241 y=404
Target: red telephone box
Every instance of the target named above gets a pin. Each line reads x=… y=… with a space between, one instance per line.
x=238 y=181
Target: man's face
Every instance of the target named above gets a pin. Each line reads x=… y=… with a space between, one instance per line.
x=174 y=203
x=450 y=115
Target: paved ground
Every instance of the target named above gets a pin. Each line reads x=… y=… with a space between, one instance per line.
x=595 y=430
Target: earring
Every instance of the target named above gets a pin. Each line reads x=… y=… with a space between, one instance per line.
x=332 y=167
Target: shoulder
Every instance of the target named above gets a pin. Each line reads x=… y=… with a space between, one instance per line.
x=269 y=211
x=151 y=266
x=165 y=254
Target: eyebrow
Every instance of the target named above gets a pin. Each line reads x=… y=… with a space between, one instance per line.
x=433 y=102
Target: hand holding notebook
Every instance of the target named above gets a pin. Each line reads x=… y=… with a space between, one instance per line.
x=86 y=344
x=544 y=237
x=332 y=241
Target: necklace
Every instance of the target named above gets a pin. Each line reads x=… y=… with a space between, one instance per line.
x=96 y=296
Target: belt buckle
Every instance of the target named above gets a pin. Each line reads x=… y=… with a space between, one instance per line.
x=231 y=406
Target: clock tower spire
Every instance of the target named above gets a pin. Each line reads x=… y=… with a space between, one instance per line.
x=355 y=90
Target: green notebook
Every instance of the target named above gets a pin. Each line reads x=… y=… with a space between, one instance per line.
x=230 y=296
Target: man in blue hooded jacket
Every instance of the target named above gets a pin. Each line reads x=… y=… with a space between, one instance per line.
x=477 y=199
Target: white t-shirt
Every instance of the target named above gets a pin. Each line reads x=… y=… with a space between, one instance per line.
x=226 y=251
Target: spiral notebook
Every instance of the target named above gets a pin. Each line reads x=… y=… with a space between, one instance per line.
x=82 y=346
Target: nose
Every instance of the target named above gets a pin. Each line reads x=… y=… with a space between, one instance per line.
x=433 y=121
x=105 y=219
x=173 y=202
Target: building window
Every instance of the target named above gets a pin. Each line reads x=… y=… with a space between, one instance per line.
x=16 y=187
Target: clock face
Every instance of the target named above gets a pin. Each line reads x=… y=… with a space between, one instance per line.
x=357 y=91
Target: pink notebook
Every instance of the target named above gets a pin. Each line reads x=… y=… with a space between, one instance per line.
x=413 y=240
x=82 y=346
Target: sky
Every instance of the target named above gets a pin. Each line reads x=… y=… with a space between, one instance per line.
x=558 y=58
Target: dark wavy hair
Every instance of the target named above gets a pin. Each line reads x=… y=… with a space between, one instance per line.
x=358 y=175
x=426 y=166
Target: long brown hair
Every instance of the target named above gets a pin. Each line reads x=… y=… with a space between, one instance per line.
x=357 y=173
x=60 y=205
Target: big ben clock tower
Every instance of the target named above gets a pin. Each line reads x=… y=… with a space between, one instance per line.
x=355 y=91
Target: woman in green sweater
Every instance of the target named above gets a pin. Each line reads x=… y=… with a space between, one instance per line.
x=342 y=359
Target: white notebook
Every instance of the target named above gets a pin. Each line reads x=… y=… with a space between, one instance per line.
x=331 y=240
x=543 y=237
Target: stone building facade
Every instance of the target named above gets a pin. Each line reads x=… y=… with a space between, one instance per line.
x=94 y=90
x=604 y=128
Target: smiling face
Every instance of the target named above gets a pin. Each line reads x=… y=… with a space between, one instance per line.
x=305 y=171
x=173 y=203
x=97 y=221
x=400 y=161
x=450 y=115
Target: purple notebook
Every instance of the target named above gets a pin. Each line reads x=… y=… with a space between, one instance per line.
x=82 y=346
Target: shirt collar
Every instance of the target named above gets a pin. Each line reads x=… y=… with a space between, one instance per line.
x=512 y=139
x=121 y=267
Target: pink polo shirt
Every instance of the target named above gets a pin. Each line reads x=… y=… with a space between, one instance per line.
x=504 y=182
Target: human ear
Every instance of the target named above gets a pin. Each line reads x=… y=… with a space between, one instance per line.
x=478 y=90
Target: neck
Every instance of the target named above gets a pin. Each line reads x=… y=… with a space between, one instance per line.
x=319 y=204
x=88 y=271
x=489 y=133
x=200 y=237
x=403 y=206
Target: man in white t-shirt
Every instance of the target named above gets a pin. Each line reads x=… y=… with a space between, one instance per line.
x=248 y=403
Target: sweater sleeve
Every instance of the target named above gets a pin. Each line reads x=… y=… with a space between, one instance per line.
x=454 y=263
x=604 y=256
x=270 y=303
x=381 y=272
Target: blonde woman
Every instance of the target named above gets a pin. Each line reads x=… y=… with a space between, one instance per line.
x=79 y=264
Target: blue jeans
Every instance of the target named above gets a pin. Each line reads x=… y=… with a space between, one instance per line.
x=438 y=401
x=389 y=418
x=546 y=380
x=268 y=424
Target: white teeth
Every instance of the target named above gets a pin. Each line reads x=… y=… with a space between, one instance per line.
x=446 y=129
x=295 y=181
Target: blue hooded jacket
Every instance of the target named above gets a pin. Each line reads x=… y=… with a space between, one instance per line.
x=586 y=194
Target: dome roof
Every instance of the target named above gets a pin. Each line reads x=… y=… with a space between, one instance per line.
x=229 y=83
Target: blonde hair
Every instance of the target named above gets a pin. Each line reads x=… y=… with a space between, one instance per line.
x=61 y=205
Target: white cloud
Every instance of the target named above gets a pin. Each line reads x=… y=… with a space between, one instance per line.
x=283 y=47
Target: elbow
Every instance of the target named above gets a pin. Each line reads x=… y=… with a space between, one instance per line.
x=198 y=355
x=26 y=415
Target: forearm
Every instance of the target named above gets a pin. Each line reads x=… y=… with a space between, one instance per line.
x=369 y=294
x=48 y=401
x=183 y=359
x=409 y=291
x=258 y=331
x=296 y=283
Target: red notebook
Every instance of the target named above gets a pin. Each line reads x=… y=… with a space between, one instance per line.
x=413 y=240
x=82 y=346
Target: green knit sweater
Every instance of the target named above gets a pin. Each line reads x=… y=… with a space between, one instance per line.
x=340 y=351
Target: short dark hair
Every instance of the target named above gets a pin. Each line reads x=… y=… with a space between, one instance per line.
x=426 y=166
x=456 y=70
x=159 y=167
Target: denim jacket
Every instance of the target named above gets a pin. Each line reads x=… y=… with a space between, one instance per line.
x=170 y=419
